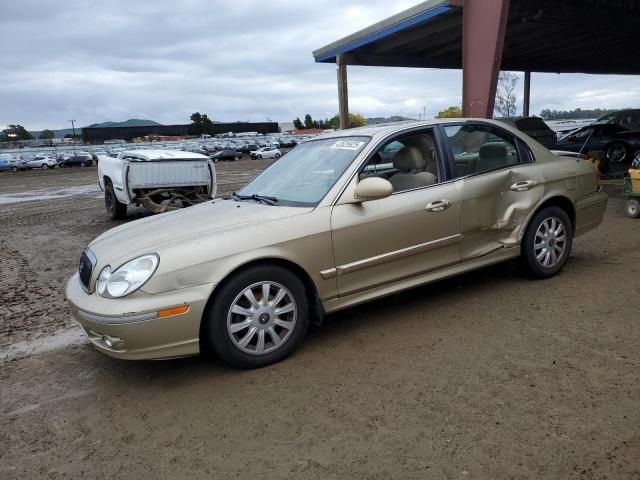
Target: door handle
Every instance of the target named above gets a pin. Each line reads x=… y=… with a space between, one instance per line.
x=523 y=186
x=438 y=206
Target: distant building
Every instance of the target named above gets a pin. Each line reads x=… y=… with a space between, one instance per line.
x=286 y=127
x=102 y=134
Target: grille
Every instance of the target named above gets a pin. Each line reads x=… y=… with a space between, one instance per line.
x=85 y=269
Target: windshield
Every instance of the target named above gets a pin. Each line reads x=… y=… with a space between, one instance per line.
x=607 y=119
x=303 y=176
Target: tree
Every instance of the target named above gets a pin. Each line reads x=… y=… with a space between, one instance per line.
x=308 y=121
x=202 y=124
x=297 y=123
x=356 y=120
x=16 y=132
x=451 y=112
x=47 y=134
x=505 y=98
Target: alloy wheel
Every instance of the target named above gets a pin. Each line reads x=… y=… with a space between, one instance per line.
x=550 y=242
x=262 y=318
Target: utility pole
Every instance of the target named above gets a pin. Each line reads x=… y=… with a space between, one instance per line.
x=424 y=113
x=73 y=126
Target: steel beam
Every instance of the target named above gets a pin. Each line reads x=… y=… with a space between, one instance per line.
x=343 y=92
x=483 y=29
x=527 y=94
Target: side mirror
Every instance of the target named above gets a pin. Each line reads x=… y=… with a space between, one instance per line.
x=373 y=188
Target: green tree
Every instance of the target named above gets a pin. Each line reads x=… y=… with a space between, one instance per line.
x=505 y=96
x=202 y=124
x=16 y=132
x=308 y=121
x=47 y=134
x=297 y=123
x=451 y=112
x=356 y=120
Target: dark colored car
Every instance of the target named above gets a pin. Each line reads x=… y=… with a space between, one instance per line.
x=616 y=134
x=247 y=148
x=535 y=128
x=79 y=159
x=227 y=155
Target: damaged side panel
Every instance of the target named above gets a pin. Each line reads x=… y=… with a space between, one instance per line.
x=494 y=207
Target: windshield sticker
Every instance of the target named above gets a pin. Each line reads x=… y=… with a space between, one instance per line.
x=347 y=145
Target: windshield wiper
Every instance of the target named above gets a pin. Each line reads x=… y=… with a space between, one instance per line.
x=258 y=198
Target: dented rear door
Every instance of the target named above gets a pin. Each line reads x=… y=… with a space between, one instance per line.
x=494 y=207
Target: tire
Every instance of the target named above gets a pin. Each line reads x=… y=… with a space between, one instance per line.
x=237 y=159
x=259 y=157
x=617 y=152
x=632 y=208
x=44 y=166
x=536 y=258
x=115 y=209
x=220 y=320
x=277 y=155
x=14 y=169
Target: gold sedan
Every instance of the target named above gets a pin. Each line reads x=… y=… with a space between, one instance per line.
x=340 y=220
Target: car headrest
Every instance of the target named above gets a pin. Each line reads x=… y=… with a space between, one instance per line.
x=408 y=158
x=493 y=150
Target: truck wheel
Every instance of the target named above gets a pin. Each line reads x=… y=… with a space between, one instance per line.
x=258 y=317
x=115 y=209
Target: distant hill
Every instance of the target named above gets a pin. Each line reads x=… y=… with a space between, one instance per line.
x=132 y=122
x=394 y=118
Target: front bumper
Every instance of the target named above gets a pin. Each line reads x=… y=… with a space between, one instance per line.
x=129 y=328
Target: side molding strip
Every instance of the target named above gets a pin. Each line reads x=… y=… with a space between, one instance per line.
x=389 y=256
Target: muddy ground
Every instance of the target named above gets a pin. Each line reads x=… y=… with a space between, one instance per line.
x=487 y=376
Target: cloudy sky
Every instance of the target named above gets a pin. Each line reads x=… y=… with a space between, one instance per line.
x=95 y=61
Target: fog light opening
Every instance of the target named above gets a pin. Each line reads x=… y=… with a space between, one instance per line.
x=107 y=341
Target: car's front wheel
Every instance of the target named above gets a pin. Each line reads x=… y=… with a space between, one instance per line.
x=258 y=317
x=44 y=166
x=277 y=155
x=547 y=242
x=14 y=169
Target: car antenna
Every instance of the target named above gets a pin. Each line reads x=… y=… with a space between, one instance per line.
x=586 y=141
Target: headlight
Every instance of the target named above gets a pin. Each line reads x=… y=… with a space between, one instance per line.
x=128 y=278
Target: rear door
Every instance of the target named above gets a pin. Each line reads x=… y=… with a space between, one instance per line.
x=498 y=184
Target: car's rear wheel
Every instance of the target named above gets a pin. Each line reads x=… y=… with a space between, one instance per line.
x=617 y=152
x=632 y=208
x=14 y=169
x=115 y=209
x=277 y=155
x=44 y=166
x=258 y=317
x=547 y=242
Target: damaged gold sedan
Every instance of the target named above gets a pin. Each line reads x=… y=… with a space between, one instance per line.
x=340 y=220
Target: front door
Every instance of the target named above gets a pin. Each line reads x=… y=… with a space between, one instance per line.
x=415 y=230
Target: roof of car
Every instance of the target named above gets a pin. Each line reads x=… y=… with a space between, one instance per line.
x=384 y=129
x=163 y=155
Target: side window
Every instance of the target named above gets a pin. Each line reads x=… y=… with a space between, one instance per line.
x=480 y=148
x=408 y=162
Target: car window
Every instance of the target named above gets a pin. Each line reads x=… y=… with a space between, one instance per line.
x=480 y=148
x=582 y=134
x=408 y=162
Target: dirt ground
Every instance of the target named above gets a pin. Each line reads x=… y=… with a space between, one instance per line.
x=487 y=375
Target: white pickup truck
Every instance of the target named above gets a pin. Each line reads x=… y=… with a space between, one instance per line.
x=159 y=180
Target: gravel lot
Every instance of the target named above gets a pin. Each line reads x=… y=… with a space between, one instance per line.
x=487 y=376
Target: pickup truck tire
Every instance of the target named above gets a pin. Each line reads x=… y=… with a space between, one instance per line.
x=115 y=209
x=240 y=323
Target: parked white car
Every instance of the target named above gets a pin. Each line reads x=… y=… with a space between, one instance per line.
x=158 y=180
x=42 y=161
x=266 y=152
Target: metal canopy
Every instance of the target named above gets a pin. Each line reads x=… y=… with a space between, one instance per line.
x=569 y=36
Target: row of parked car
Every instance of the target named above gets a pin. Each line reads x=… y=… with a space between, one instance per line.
x=45 y=161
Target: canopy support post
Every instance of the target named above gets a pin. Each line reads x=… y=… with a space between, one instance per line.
x=343 y=93
x=527 y=94
x=483 y=30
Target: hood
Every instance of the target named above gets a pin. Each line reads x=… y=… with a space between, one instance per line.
x=155 y=233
